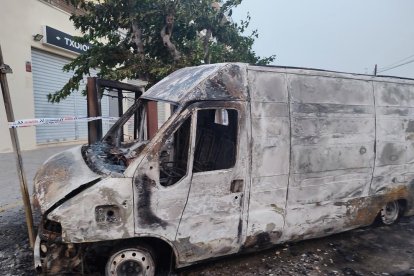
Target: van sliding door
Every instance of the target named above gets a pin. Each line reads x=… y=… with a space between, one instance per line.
x=333 y=136
x=270 y=157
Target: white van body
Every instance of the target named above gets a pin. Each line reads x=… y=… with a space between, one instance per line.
x=269 y=155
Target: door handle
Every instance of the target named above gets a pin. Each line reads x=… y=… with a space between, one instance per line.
x=236 y=186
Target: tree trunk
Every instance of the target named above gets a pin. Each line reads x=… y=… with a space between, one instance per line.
x=206 y=43
x=137 y=38
x=166 y=33
x=136 y=34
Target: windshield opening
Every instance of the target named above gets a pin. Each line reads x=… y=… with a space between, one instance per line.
x=128 y=136
x=139 y=123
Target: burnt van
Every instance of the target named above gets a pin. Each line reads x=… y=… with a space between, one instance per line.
x=250 y=157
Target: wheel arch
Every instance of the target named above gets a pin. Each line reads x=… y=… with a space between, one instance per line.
x=159 y=243
x=403 y=205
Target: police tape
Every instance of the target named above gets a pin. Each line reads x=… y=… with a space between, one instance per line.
x=57 y=121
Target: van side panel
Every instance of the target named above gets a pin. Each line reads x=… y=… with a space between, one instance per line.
x=270 y=157
x=333 y=134
x=394 y=168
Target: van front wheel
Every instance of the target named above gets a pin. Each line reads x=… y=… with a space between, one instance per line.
x=131 y=261
x=390 y=212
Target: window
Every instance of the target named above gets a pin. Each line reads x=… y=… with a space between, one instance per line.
x=173 y=157
x=216 y=140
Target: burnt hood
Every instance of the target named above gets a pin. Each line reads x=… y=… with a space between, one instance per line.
x=61 y=175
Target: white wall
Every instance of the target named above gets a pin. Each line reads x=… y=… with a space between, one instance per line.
x=20 y=20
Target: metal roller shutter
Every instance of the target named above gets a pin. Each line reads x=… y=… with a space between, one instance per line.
x=48 y=77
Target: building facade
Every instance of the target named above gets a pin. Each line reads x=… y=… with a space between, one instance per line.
x=37 y=71
x=36 y=37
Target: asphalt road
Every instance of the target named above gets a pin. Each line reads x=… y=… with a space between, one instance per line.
x=16 y=257
x=10 y=196
x=375 y=251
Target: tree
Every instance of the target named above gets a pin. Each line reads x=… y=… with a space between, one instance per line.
x=149 y=39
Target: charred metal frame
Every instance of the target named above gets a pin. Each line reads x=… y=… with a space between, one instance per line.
x=95 y=87
x=317 y=153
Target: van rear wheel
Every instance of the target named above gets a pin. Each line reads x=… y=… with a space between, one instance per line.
x=390 y=212
x=131 y=261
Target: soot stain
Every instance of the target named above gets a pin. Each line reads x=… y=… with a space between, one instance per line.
x=146 y=216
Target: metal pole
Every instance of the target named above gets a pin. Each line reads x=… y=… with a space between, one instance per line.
x=136 y=115
x=152 y=119
x=4 y=69
x=120 y=111
x=94 y=127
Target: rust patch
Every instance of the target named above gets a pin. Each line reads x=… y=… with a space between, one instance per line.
x=277 y=209
x=261 y=240
x=363 y=211
x=228 y=83
x=50 y=230
x=199 y=251
x=62 y=258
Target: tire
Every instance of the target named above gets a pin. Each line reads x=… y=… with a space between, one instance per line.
x=131 y=261
x=390 y=212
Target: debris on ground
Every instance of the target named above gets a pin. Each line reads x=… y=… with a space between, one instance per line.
x=374 y=251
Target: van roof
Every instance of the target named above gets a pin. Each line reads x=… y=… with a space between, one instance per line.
x=293 y=69
x=228 y=81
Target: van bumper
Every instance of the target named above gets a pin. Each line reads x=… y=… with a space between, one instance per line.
x=36 y=255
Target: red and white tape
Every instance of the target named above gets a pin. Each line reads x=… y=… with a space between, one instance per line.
x=56 y=121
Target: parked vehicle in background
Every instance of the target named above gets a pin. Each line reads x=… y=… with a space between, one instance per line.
x=250 y=157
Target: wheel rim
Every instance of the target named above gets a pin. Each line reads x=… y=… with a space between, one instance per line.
x=390 y=212
x=131 y=262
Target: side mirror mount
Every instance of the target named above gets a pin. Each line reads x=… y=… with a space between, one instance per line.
x=221 y=117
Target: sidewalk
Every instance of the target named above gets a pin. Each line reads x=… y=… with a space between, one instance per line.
x=10 y=195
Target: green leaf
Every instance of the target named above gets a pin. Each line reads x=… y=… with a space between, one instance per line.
x=108 y=26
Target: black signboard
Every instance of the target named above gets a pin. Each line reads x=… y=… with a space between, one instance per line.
x=63 y=40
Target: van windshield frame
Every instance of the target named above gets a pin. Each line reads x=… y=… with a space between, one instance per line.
x=140 y=110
